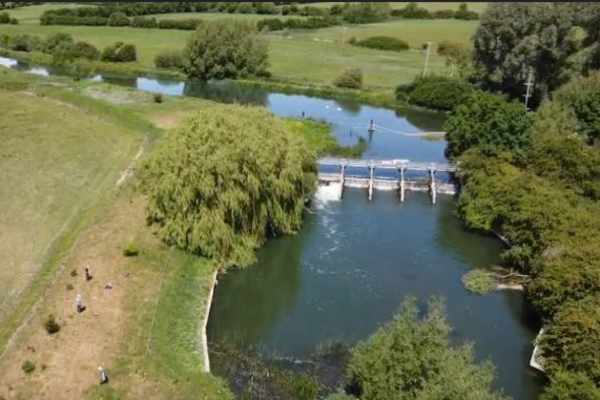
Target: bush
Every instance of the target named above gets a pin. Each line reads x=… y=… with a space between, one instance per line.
x=51 y=325
x=412 y=11
x=490 y=124
x=464 y=13
x=270 y=24
x=55 y=40
x=87 y=51
x=383 y=43
x=267 y=170
x=366 y=12
x=168 y=59
x=4 y=40
x=20 y=43
x=183 y=24
x=14 y=21
x=28 y=366
x=119 y=52
x=4 y=18
x=70 y=286
x=350 y=78
x=225 y=49
x=438 y=92
x=141 y=22
x=131 y=249
x=352 y=40
x=444 y=14
x=118 y=19
x=157 y=97
x=74 y=273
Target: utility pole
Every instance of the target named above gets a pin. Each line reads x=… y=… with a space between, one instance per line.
x=529 y=84
x=427 y=58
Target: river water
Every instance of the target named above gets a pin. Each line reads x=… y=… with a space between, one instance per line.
x=354 y=261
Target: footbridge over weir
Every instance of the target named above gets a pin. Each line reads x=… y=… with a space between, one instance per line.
x=394 y=178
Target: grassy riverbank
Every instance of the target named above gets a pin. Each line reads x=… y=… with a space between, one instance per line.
x=145 y=330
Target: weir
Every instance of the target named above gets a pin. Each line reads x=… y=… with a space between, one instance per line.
x=371 y=181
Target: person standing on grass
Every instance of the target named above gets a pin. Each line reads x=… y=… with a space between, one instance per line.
x=79 y=303
x=102 y=375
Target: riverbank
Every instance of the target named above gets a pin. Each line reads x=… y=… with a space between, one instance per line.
x=374 y=96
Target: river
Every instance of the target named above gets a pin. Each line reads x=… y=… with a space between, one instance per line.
x=354 y=261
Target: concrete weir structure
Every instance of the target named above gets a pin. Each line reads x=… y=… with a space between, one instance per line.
x=393 y=177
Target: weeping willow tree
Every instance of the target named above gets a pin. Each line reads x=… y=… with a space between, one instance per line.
x=225 y=180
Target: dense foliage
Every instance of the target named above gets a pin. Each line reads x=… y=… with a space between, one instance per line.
x=366 y=12
x=168 y=59
x=516 y=38
x=383 y=43
x=4 y=18
x=350 y=79
x=489 y=123
x=276 y=24
x=458 y=57
x=413 y=11
x=119 y=52
x=225 y=180
x=434 y=92
x=225 y=49
x=411 y=358
x=542 y=197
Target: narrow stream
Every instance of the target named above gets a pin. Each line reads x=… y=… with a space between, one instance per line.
x=349 y=268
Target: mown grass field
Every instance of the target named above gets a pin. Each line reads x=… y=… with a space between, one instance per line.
x=55 y=161
x=415 y=32
x=31 y=14
x=301 y=58
x=431 y=6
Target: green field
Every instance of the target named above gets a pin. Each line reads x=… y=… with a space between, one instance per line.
x=431 y=6
x=415 y=32
x=55 y=161
x=31 y=14
x=300 y=58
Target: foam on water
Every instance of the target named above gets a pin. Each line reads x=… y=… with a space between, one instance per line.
x=326 y=194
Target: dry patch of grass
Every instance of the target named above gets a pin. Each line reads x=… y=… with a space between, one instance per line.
x=55 y=160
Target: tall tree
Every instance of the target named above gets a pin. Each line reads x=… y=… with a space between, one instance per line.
x=516 y=38
x=410 y=358
x=490 y=124
x=225 y=180
x=225 y=49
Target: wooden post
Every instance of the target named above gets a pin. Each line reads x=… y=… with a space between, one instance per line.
x=371 y=127
x=402 y=184
x=433 y=186
x=371 y=173
x=342 y=179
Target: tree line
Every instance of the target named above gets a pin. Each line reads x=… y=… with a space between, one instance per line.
x=534 y=176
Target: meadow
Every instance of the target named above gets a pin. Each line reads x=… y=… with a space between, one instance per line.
x=53 y=168
x=31 y=14
x=303 y=57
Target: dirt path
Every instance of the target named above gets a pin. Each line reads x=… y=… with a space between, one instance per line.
x=67 y=362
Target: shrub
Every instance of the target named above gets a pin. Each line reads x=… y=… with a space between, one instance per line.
x=489 y=123
x=87 y=51
x=70 y=286
x=73 y=272
x=438 y=92
x=131 y=249
x=51 y=325
x=20 y=43
x=464 y=13
x=350 y=78
x=225 y=49
x=4 y=18
x=270 y=24
x=14 y=21
x=141 y=22
x=352 y=40
x=157 y=97
x=366 y=12
x=183 y=24
x=28 y=366
x=4 y=40
x=444 y=14
x=413 y=11
x=118 y=19
x=168 y=59
x=303 y=387
x=119 y=52
x=383 y=43
x=55 y=40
